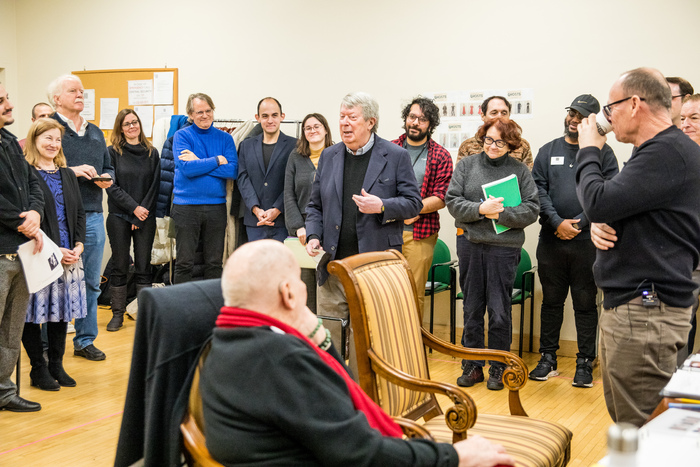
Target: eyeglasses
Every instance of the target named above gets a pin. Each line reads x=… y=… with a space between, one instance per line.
x=413 y=118
x=316 y=128
x=679 y=95
x=607 y=109
x=576 y=114
x=130 y=124
x=202 y=112
x=488 y=141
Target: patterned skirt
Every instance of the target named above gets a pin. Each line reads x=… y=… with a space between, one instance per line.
x=62 y=300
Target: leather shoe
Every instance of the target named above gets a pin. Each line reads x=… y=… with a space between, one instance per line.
x=17 y=404
x=90 y=352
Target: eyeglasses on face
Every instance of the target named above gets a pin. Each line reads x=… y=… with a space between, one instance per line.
x=488 y=141
x=413 y=118
x=674 y=97
x=316 y=127
x=130 y=124
x=607 y=109
x=199 y=113
x=576 y=114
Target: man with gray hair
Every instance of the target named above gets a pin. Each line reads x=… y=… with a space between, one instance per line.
x=649 y=243
x=205 y=158
x=364 y=189
x=86 y=153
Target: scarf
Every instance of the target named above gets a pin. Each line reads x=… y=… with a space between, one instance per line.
x=231 y=317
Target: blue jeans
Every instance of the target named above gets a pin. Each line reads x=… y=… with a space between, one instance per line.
x=86 y=328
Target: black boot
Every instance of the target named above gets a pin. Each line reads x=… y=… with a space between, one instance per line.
x=39 y=375
x=118 y=308
x=57 y=347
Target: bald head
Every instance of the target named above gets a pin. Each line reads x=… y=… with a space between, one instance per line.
x=649 y=84
x=254 y=273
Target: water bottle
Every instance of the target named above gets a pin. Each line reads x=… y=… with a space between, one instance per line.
x=623 y=440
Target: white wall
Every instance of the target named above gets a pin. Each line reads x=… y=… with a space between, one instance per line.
x=310 y=53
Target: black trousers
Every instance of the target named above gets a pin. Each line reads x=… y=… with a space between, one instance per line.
x=120 y=236
x=564 y=265
x=207 y=221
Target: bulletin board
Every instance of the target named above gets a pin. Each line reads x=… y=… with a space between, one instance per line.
x=115 y=84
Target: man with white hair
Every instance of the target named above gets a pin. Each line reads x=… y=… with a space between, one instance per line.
x=86 y=153
x=363 y=191
x=646 y=227
x=296 y=404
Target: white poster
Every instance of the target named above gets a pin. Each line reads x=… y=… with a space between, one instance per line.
x=141 y=92
x=163 y=111
x=88 y=112
x=42 y=268
x=109 y=107
x=145 y=113
x=163 y=87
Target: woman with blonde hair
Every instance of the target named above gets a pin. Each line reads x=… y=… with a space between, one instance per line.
x=63 y=221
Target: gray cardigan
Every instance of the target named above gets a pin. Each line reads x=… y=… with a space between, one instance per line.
x=297 y=189
x=464 y=197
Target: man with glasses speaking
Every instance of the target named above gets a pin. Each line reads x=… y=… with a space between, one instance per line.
x=205 y=157
x=565 y=254
x=647 y=231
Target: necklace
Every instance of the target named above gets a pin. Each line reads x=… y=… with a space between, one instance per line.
x=50 y=171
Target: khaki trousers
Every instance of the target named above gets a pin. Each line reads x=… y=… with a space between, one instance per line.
x=419 y=254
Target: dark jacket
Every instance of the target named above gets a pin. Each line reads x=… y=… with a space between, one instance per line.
x=19 y=192
x=75 y=214
x=167 y=174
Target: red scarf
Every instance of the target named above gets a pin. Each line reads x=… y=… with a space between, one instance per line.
x=231 y=317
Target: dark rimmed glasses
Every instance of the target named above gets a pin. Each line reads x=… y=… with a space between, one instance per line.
x=488 y=141
x=607 y=109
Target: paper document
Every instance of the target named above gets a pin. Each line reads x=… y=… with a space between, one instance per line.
x=88 y=112
x=141 y=92
x=109 y=107
x=299 y=251
x=42 y=268
x=163 y=87
x=145 y=113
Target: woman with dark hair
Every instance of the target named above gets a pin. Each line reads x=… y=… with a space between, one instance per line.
x=63 y=221
x=131 y=201
x=490 y=259
x=301 y=170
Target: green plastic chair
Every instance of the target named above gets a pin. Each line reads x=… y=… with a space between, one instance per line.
x=442 y=277
x=524 y=289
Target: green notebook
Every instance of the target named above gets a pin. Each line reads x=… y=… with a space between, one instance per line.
x=506 y=188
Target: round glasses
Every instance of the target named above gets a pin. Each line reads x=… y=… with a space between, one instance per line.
x=488 y=141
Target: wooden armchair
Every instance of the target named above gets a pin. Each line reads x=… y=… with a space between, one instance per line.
x=393 y=366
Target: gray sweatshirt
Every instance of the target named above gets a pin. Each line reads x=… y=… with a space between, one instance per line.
x=465 y=195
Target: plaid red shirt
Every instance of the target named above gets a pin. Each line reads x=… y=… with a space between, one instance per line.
x=438 y=173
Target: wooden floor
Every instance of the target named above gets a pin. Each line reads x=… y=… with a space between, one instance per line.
x=80 y=426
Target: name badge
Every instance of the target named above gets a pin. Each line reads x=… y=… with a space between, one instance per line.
x=557 y=160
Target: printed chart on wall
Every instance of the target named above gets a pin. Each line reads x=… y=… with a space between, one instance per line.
x=460 y=112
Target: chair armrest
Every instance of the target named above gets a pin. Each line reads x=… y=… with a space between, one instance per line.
x=530 y=274
x=514 y=376
x=448 y=263
x=413 y=430
x=459 y=418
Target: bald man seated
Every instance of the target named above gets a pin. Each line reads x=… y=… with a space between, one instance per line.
x=275 y=393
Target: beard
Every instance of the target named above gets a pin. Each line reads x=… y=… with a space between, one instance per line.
x=418 y=137
x=572 y=135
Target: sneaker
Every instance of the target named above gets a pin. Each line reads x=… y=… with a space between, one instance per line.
x=546 y=367
x=70 y=329
x=584 y=373
x=495 y=382
x=471 y=375
x=90 y=352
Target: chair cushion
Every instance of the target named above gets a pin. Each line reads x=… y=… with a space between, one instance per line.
x=532 y=442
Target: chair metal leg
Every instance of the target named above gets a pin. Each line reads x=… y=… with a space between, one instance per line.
x=532 y=317
x=522 y=328
x=19 y=372
x=453 y=305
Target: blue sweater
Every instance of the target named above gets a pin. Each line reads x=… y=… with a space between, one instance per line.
x=203 y=181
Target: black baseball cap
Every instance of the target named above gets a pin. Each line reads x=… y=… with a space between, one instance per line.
x=586 y=104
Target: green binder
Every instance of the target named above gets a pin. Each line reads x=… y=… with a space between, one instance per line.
x=506 y=188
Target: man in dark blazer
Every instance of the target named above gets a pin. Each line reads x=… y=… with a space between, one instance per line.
x=364 y=189
x=262 y=163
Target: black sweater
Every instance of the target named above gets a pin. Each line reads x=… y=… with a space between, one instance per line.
x=136 y=182
x=19 y=192
x=653 y=205
x=282 y=405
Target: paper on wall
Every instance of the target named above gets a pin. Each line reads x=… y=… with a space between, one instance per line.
x=109 y=107
x=42 y=268
x=163 y=87
x=163 y=111
x=141 y=92
x=88 y=112
x=145 y=113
